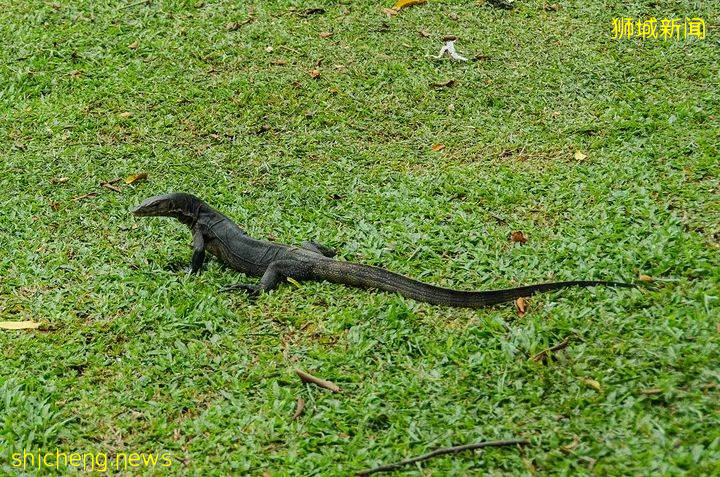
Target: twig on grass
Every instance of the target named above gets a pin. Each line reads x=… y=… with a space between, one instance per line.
x=542 y=355
x=309 y=378
x=444 y=451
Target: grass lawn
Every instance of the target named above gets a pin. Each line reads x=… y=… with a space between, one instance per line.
x=219 y=98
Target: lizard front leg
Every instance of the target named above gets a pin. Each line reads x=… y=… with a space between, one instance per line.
x=274 y=274
x=198 y=252
x=318 y=248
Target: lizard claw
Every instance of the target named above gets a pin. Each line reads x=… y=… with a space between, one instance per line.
x=252 y=290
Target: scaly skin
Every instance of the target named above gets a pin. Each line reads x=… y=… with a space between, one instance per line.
x=217 y=234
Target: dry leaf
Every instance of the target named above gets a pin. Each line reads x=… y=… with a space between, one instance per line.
x=521 y=304
x=232 y=26
x=136 y=178
x=108 y=185
x=389 y=12
x=592 y=383
x=134 y=45
x=19 y=325
x=125 y=115
x=645 y=278
x=299 y=408
x=424 y=33
x=400 y=4
x=438 y=147
x=85 y=196
x=579 y=156
x=518 y=237
x=312 y=11
x=279 y=62
x=568 y=448
x=651 y=391
x=314 y=73
x=326 y=34
x=60 y=180
x=444 y=84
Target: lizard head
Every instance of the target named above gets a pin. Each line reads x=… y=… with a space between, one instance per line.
x=178 y=205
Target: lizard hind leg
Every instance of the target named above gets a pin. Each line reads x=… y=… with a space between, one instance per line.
x=274 y=274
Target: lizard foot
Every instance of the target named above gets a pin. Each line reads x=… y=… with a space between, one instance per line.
x=252 y=290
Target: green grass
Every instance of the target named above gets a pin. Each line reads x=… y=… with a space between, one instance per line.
x=135 y=356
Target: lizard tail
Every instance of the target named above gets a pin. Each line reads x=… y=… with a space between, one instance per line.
x=365 y=276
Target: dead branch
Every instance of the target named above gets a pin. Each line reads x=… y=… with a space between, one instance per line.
x=542 y=355
x=444 y=451
x=309 y=378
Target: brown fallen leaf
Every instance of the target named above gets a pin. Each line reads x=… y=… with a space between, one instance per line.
x=19 y=325
x=568 y=448
x=60 y=180
x=518 y=237
x=481 y=57
x=326 y=34
x=645 y=278
x=424 y=33
x=438 y=147
x=136 y=178
x=400 y=4
x=389 y=12
x=309 y=378
x=312 y=11
x=553 y=7
x=315 y=73
x=651 y=391
x=279 y=62
x=299 y=408
x=579 y=156
x=444 y=84
x=521 y=305
x=134 y=45
x=125 y=115
x=232 y=26
x=85 y=196
x=592 y=384
x=108 y=185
